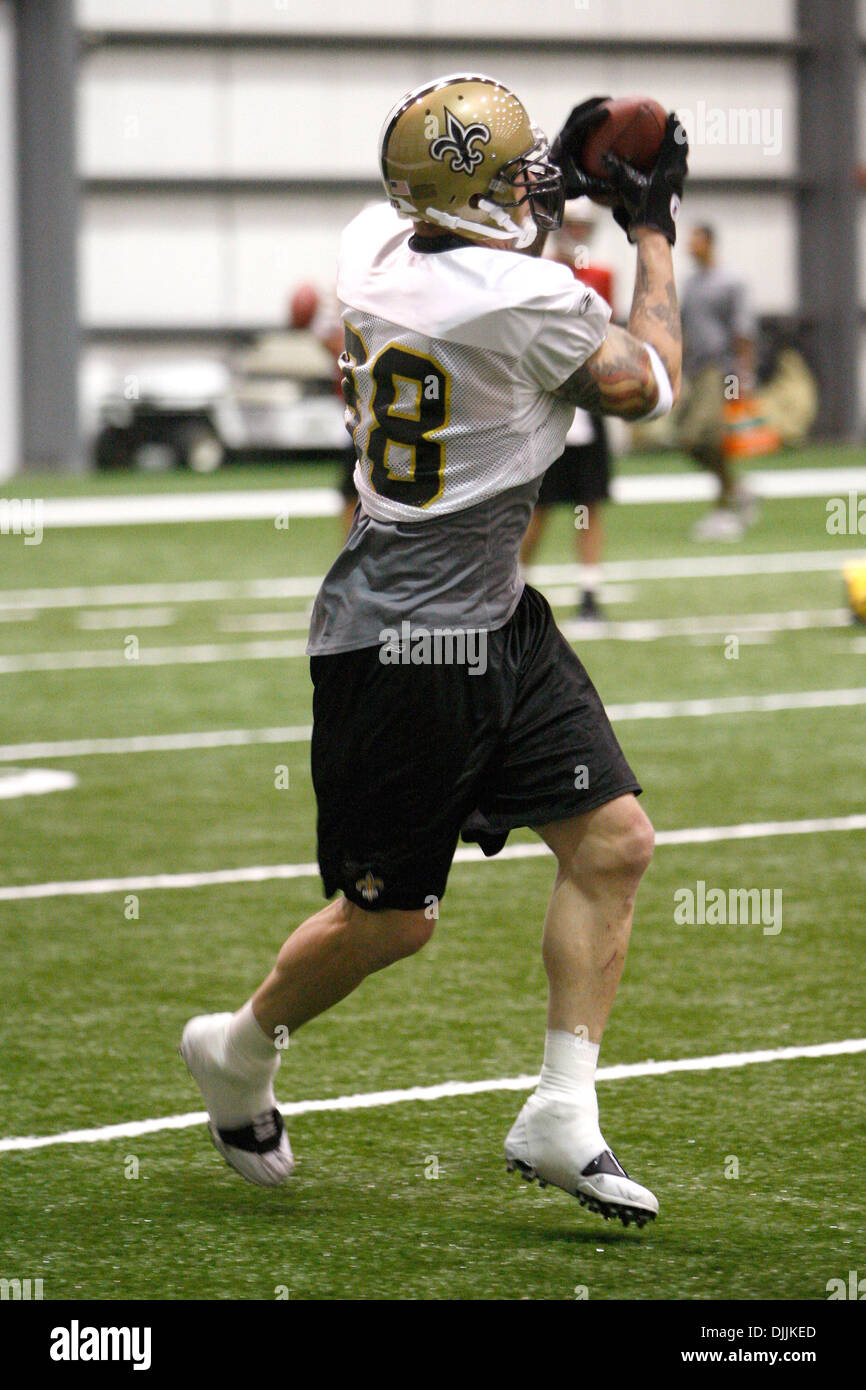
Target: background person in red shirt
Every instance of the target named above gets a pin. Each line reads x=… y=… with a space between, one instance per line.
x=580 y=477
x=307 y=311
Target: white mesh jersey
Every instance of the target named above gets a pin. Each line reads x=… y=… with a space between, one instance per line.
x=454 y=355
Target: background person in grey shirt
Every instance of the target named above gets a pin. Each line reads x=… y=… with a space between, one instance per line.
x=718 y=365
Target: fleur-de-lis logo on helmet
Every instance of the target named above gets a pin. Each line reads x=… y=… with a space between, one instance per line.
x=457 y=145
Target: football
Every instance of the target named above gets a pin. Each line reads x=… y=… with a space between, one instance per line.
x=633 y=129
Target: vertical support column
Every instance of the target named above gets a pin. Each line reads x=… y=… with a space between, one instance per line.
x=48 y=228
x=827 y=73
x=9 y=371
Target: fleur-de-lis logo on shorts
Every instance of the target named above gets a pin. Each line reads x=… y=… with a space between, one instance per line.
x=369 y=886
x=457 y=145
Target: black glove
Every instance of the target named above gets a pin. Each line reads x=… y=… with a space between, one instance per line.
x=568 y=147
x=653 y=199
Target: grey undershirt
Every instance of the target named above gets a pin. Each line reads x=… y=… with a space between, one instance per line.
x=459 y=570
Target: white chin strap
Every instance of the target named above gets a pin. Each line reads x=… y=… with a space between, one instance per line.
x=522 y=235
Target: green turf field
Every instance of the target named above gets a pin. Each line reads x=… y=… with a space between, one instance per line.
x=411 y=1200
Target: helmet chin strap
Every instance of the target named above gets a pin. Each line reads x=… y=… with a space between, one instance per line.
x=524 y=233
x=522 y=236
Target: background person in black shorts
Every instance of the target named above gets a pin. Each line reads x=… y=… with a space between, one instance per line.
x=446 y=702
x=580 y=478
x=307 y=311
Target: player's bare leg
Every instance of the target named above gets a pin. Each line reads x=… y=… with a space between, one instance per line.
x=329 y=956
x=590 y=537
x=590 y=542
x=716 y=462
x=736 y=506
x=601 y=858
x=234 y=1058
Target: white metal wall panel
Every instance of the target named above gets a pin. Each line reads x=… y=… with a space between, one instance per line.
x=598 y=18
x=320 y=113
x=145 y=112
x=9 y=364
x=155 y=260
x=207 y=260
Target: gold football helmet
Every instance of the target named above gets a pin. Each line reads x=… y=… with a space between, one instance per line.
x=461 y=152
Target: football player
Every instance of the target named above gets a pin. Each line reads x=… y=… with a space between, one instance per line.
x=465 y=357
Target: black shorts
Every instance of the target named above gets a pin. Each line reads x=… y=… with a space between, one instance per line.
x=406 y=757
x=581 y=474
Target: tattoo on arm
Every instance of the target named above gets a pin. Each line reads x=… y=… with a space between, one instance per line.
x=655 y=314
x=617 y=380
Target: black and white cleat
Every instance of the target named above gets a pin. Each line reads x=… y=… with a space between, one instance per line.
x=541 y=1145
x=259 y=1151
x=603 y=1187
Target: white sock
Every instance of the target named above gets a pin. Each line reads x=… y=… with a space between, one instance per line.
x=568 y=1080
x=247 y=1044
x=241 y=1085
x=590 y=578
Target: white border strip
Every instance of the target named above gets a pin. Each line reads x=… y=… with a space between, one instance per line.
x=262 y=873
x=369 y=1100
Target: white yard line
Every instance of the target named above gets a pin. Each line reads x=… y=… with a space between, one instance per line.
x=301 y=733
x=264 y=503
x=656 y=629
x=736 y=704
x=307 y=586
x=640 y=488
x=263 y=873
x=154 y=743
x=181 y=591
x=118 y=619
x=636 y=630
x=565 y=595
x=706 y=566
x=263 y=622
x=204 y=653
x=256 y=504
x=370 y=1100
